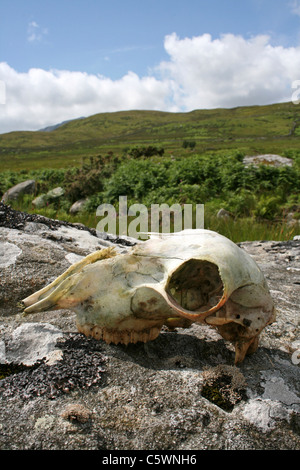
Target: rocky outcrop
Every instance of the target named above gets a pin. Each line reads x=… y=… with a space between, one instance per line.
x=43 y=199
x=268 y=159
x=26 y=187
x=61 y=390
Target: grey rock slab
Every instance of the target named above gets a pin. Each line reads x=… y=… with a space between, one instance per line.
x=2 y=352
x=268 y=159
x=40 y=201
x=26 y=187
x=277 y=390
x=31 y=342
x=55 y=193
x=36 y=261
x=145 y=396
x=9 y=253
x=263 y=413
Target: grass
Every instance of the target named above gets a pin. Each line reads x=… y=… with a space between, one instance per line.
x=252 y=129
x=248 y=130
x=249 y=229
x=238 y=230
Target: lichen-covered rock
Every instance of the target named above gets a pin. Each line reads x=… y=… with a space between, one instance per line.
x=178 y=392
x=268 y=159
x=31 y=342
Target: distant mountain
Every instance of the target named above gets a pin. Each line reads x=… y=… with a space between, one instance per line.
x=56 y=126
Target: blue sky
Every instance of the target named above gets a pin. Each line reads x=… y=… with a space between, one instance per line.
x=167 y=50
x=113 y=37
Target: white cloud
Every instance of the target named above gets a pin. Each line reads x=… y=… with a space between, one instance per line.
x=201 y=72
x=35 y=33
x=229 y=71
x=295 y=7
x=39 y=98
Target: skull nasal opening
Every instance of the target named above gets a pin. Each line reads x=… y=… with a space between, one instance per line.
x=196 y=285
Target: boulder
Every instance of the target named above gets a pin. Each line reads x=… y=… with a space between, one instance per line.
x=55 y=193
x=179 y=392
x=78 y=206
x=268 y=159
x=40 y=201
x=50 y=196
x=292 y=219
x=26 y=187
x=224 y=214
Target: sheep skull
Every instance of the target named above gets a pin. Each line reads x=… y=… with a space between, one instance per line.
x=173 y=280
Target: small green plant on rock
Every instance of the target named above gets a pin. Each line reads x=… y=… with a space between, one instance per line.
x=224 y=386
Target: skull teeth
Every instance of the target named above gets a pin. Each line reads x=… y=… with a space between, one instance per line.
x=115 y=336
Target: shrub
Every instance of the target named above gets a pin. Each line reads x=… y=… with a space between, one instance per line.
x=268 y=207
x=90 y=177
x=135 y=179
x=150 y=151
x=189 y=144
x=242 y=203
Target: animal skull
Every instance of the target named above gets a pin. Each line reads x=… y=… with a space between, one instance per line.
x=173 y=280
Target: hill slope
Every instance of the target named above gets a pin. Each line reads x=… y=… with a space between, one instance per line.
x=254 y=129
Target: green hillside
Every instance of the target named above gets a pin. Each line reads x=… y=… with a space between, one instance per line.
x=156 y=157
x=251 y=130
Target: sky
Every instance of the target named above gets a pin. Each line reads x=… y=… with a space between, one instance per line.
x=66 y=59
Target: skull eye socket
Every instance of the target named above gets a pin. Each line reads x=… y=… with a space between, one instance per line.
x=196 y=285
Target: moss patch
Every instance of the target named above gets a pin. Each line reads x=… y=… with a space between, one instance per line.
x=224 y=386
